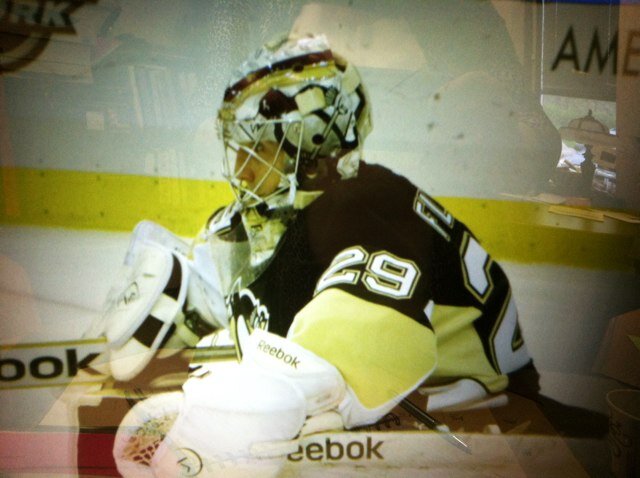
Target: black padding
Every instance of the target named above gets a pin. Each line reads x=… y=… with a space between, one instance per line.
x=148 y=331
x=172 y=289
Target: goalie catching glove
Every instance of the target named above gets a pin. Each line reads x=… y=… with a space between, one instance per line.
x=241 y=417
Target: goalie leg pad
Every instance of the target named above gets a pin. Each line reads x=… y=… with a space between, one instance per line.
x=145 y=233
x=142 y=316
x=227 y=412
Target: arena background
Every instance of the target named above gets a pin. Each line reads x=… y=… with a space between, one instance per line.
x=107 y=117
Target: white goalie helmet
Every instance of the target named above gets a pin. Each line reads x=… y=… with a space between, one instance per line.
x=301 y=112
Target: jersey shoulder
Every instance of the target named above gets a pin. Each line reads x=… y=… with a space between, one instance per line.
x=375 y=187
x=370 y=210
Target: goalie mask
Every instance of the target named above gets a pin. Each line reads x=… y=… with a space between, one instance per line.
x=294 y=117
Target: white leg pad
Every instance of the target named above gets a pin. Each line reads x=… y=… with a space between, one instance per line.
x=140 y=318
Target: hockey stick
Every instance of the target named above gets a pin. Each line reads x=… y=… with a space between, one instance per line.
x=434 y=424
x=212 y=354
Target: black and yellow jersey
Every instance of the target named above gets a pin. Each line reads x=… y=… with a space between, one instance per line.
x=379 y=279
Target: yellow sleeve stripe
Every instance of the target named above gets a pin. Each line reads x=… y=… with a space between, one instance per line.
x=380 y=352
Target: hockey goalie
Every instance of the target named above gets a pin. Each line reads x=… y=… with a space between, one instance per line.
x=343 y=287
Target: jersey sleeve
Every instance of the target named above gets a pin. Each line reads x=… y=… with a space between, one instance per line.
x=366 y=315
x=382 y=354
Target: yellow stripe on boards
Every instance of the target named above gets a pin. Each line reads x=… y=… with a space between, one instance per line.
x=106 y=201
x=527 y=232
x=515 y=231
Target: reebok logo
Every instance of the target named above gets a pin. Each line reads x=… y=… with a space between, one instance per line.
x=279 y=354
x=46 y=367
x=52 y=364
x=336 y=451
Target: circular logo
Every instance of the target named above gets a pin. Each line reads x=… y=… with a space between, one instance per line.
x=26 y=28
x=17 y=51
x=190 y=463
